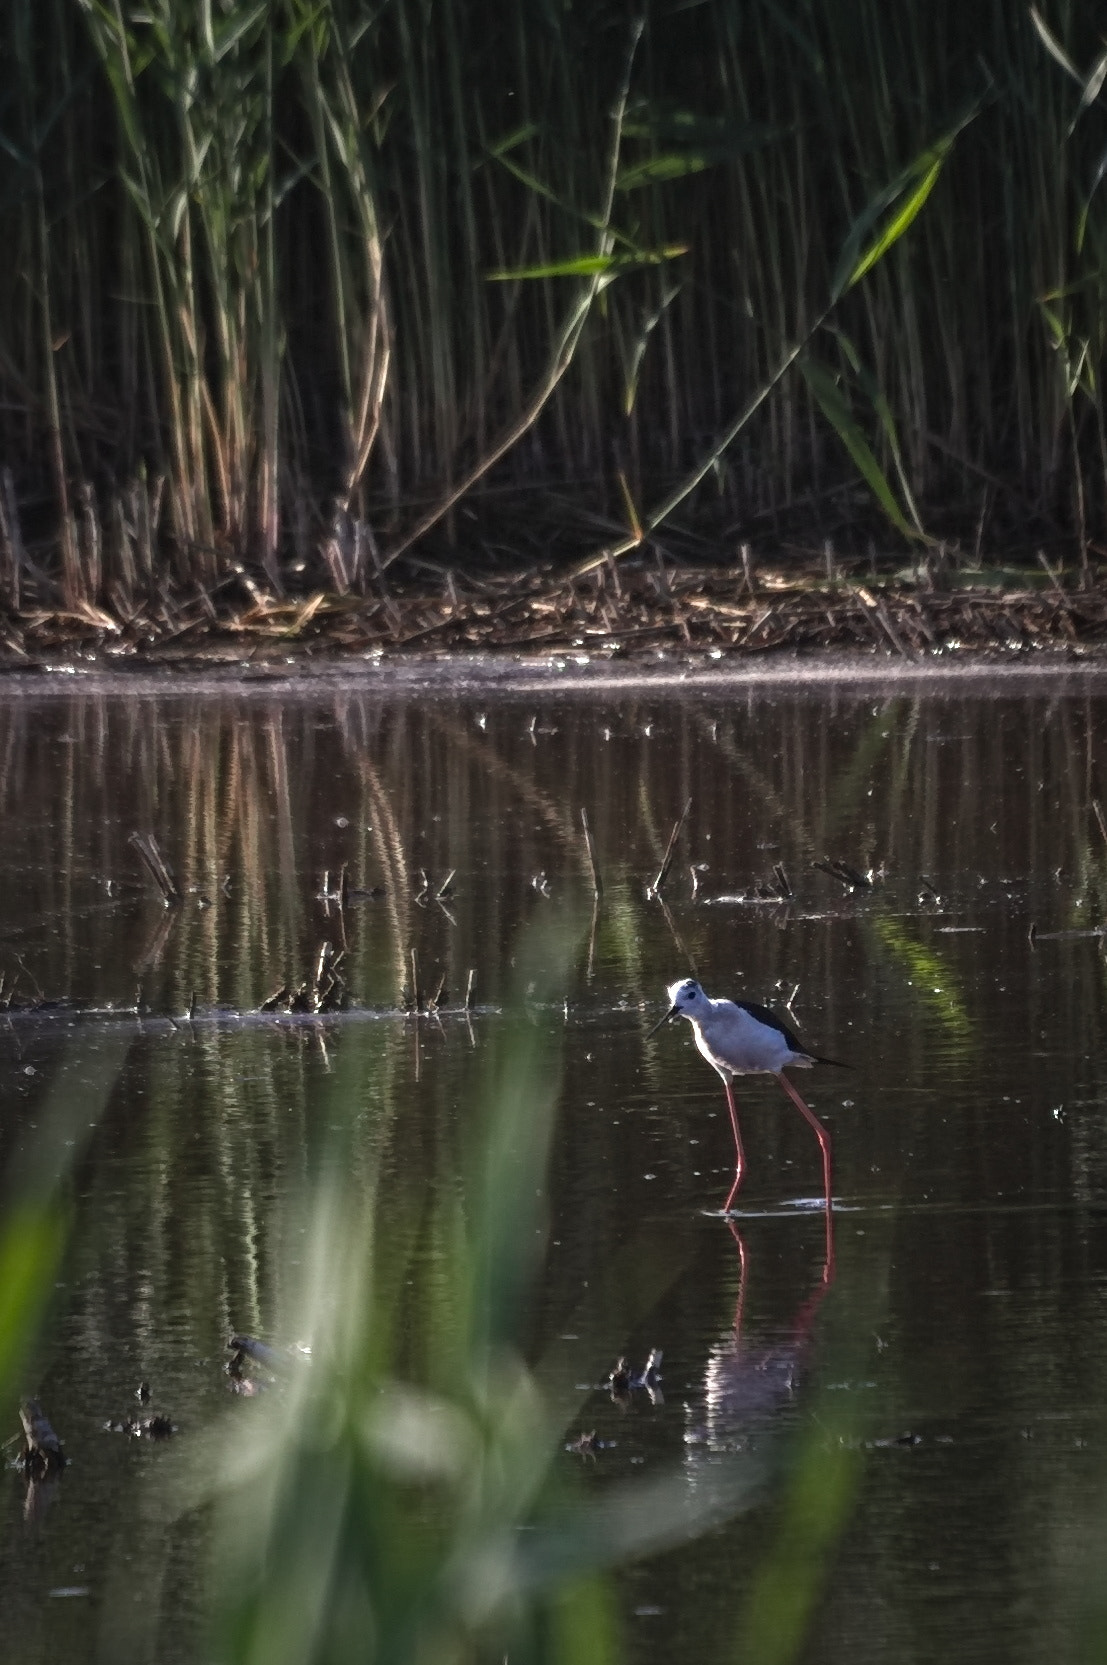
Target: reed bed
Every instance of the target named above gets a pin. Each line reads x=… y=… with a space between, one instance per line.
x=295 y=293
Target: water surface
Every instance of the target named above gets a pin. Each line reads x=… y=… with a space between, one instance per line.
x=958 y=1347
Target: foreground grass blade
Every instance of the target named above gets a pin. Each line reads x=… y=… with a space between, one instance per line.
x=405 y=1497
x=34 y=1219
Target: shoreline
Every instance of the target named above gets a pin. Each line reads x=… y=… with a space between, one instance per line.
x=449 y=675
x=614 y=626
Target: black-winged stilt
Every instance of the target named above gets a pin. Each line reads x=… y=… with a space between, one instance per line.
x=740 y=1038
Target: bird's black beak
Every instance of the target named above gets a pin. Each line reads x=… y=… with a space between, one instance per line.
x=672 y=1012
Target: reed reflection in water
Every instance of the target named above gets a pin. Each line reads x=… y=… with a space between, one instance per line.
x=964 y=1336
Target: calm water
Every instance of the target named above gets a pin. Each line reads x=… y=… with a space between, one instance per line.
x=958 y=1352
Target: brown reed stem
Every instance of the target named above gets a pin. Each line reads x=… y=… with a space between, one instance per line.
x=590 y=846
x=663 y=872
x=146 y=846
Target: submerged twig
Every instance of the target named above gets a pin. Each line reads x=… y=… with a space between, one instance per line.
x=158 y=868
x=155 y=946
x=589 y=845
x=592 y=937
x=667 y=862
x=1097 y=811
x=1034 y=935
x=42 y=1451
x=846 y=875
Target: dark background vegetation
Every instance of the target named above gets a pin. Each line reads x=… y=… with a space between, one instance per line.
x=280 y=280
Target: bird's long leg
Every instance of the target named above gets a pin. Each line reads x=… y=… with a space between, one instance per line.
x=820 y=1131
x=739 y=1153
x=824 y=1145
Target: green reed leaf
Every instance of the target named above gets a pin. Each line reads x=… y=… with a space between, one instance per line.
x=917 y=181
x=835 y=408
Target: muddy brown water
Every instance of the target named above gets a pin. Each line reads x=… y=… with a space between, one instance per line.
x=958 y=1353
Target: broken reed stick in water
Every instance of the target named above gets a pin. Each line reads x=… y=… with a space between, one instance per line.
x=663 y=873
x=589 y=845
x=157 y=867
x=42 y=1451
x=1097 y=811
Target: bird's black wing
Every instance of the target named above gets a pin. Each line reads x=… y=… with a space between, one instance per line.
x=771 y=1021
x=763 y=1015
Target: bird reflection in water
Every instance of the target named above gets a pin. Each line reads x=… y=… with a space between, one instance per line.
x=746 y=1385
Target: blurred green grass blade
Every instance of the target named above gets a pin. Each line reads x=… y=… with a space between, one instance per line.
x=638 y=1518
x=520 y=1100
x=372 y=1514
x=33 y=1223
x=584 y=1624
x=791 y=1579
x=76 y=1099
x=31 y=1243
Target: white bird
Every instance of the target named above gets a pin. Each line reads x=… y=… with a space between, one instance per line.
x=740 y=1038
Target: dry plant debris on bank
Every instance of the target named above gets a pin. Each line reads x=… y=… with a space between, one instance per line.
x=619 y=607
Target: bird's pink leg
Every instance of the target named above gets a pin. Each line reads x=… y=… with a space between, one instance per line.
x=739 y=1154
x=820 y=1131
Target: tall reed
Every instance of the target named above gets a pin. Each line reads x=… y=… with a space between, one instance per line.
x=250 y=252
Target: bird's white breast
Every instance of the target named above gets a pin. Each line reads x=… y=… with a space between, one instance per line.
x=737 y=1044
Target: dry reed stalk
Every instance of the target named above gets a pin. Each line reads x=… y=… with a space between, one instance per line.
x=11 y=538
x=590 y=846
x=42 y=1452
x=670 y=849
x=146 y=846
x=1101 y=823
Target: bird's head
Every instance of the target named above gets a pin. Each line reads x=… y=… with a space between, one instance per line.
x=685 y=997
